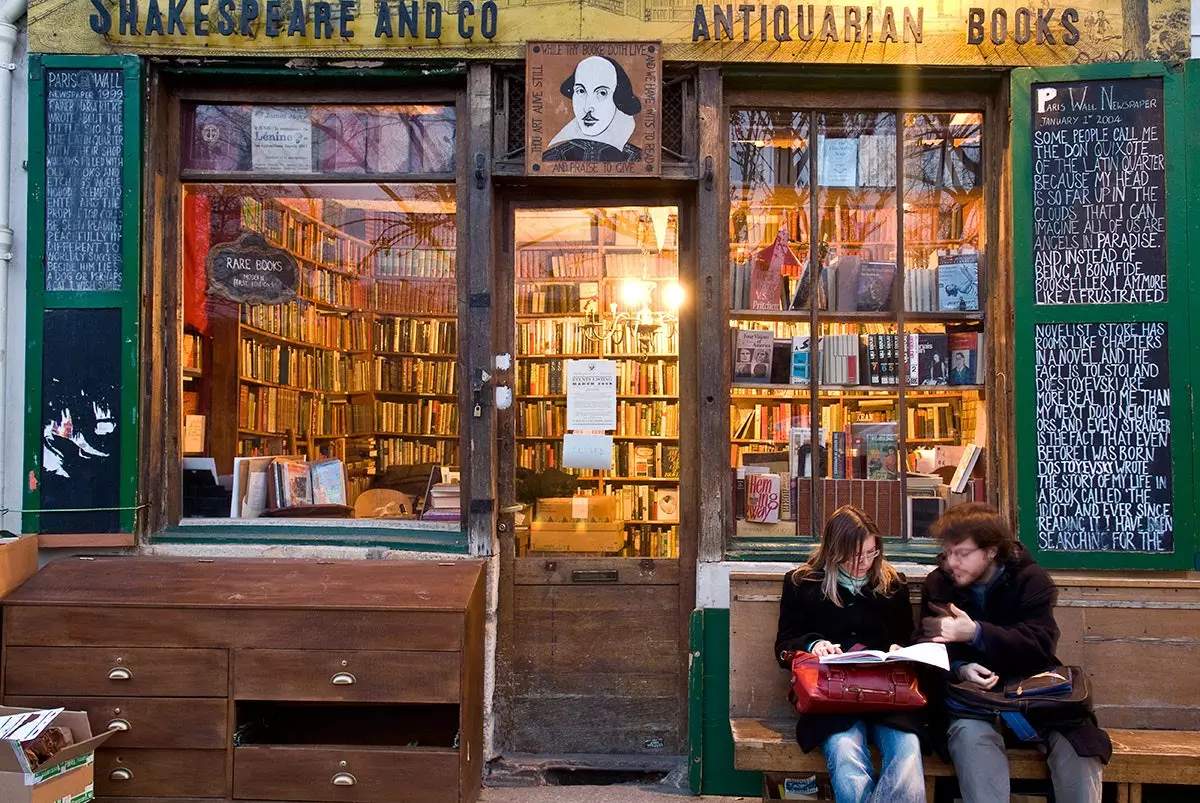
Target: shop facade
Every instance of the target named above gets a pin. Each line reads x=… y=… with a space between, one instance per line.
x=621 y=298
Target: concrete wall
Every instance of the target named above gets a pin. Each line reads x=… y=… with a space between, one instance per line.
x=12 y=406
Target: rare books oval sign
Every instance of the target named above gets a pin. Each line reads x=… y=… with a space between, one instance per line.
x=252 y=271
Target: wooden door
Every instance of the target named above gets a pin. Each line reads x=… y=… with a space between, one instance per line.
x=598 y=564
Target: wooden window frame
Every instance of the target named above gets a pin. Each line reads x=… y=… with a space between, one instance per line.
x=161 y=466
x=996 y=262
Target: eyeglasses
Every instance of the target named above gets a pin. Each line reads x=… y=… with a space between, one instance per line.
x=958 y=555
x=865 y=557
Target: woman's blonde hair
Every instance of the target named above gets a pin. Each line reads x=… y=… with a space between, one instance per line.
x=841 y=541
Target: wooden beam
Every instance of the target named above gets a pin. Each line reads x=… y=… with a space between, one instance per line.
x=85 y=540
x=713 y=346
x=477 y=308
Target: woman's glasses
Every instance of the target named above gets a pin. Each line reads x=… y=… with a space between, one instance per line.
x=863 y=557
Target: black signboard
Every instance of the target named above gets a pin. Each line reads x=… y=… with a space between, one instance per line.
x=252 y=271
x=84 y=182
x=1103 y=403
x=81 y=436
x=1099 y=193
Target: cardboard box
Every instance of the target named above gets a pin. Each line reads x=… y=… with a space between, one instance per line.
x=67 y=776
x=573 y=509
x=18 y=562
x=577 y=524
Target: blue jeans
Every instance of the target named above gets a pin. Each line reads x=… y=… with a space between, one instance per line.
x=902 y=779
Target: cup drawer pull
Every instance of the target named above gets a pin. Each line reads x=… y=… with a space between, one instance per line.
x=343 y=679
x=119 y=673
x=120 y=774
x=118 y=725
x=344 y=779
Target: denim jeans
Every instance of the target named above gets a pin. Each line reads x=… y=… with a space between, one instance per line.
x=902 y=779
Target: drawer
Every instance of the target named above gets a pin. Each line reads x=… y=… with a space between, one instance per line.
x=351 y=775
x=116 y=672
x=160 y=773
x=351 y=676
x=170 y=722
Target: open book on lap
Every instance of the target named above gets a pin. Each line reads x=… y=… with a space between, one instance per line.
x=926 y=653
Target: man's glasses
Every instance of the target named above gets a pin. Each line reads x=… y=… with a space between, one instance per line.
x=958 y=555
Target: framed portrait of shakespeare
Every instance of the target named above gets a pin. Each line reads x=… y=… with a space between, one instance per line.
x=593 y=109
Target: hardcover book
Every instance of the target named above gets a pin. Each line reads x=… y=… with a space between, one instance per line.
x=752 y=352
x=965 y=350
x=928 y=359
x=875 y=281
x=800 y=364
x=958 y=282
x=762 y=497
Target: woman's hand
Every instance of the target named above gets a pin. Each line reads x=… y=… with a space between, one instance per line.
x=893 y=648
x=978 y=674
x=823 y=648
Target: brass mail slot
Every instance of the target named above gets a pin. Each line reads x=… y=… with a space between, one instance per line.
x=594 y=576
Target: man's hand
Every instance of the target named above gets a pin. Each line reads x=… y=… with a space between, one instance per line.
x=893 y=648
x=953 y=625
x=823 y=648
x=978 y=674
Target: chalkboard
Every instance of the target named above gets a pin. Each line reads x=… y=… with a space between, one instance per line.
x=1103 y=407
x=1099 y=192
x=84 y=184
x=80 y=427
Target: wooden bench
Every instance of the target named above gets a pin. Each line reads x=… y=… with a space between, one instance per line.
x=763 y=723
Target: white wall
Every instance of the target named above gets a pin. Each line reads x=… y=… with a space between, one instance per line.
x=1196 y=29
x=13 y=406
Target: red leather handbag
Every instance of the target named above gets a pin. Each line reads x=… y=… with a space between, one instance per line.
x=819 y=688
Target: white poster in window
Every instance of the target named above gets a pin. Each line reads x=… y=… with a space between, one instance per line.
x=591 y=394
x=282 y=139
x=588 y=451
x=837 y=162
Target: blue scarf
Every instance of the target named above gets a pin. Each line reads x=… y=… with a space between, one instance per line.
x=851 y=583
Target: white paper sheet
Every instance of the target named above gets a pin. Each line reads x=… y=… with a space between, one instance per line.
x=588 y=451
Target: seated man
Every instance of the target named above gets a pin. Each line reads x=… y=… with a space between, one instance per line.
x=993 y=607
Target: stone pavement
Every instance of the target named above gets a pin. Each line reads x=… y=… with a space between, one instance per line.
x=599 y=794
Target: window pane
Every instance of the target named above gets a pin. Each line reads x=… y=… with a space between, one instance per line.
x=597 y=289
x=771 y=455
x=325 y=139
x=320 y=322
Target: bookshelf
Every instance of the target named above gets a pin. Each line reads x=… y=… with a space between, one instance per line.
x=362 y=365
x=570 y=271
x=855 y=309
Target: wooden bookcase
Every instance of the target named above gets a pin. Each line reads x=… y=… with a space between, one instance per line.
x=362 y=366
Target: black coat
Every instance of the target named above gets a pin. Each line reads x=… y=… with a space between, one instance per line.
x=873 y=620
x=1018 y=630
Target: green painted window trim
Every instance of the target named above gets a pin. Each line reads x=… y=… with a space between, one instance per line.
x=1175 y=311
x=39 y=300
x=799 y=550
x=404 y=540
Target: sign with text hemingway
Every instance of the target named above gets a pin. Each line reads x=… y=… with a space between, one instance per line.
x=914 y=32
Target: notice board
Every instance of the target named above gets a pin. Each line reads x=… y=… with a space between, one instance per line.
x=1102 y=367
x=83 y=306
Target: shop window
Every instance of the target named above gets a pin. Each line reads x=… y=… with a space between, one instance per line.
x=320 y=337
x=857 y=318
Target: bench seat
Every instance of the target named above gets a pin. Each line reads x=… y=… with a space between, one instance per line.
x=1139 y=756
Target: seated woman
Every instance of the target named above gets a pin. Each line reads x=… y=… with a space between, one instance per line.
x=846 y=595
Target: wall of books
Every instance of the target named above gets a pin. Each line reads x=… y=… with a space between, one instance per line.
x=598 y=284
x=320 y=329
x=856 y=317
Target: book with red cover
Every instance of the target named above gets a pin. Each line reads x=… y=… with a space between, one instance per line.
x=767 y=268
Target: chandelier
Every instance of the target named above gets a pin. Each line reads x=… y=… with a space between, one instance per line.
x=635 y=319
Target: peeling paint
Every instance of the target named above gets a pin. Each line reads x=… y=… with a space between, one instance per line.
x=63 y=429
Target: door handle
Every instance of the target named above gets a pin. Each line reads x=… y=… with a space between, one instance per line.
x=511 y=509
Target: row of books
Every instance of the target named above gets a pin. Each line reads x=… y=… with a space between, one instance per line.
x=394 y=451
x=286 y=481
x=955 y=358
x=766 y=421
x=416 y=263
x=640 y=266
x=420 y=417
x=416 y=335
x=538 y=299
x=645 y=503
x=296 y=367
x=264 y=409
x=950 y=284
x=633 y=460
x=933 y=421
x=414 y=375
x=634 y=378
x=191 y=351
x=651 y=541
x=307 y=239
x=400 y=230
x=400 y=297
x=328 y=287
x=443 y=502
x=299 y=320
x=543 y=264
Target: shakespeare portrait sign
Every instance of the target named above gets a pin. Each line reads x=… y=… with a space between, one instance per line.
x=593 y=108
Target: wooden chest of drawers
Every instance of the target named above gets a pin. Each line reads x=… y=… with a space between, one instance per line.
x=260 y=680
